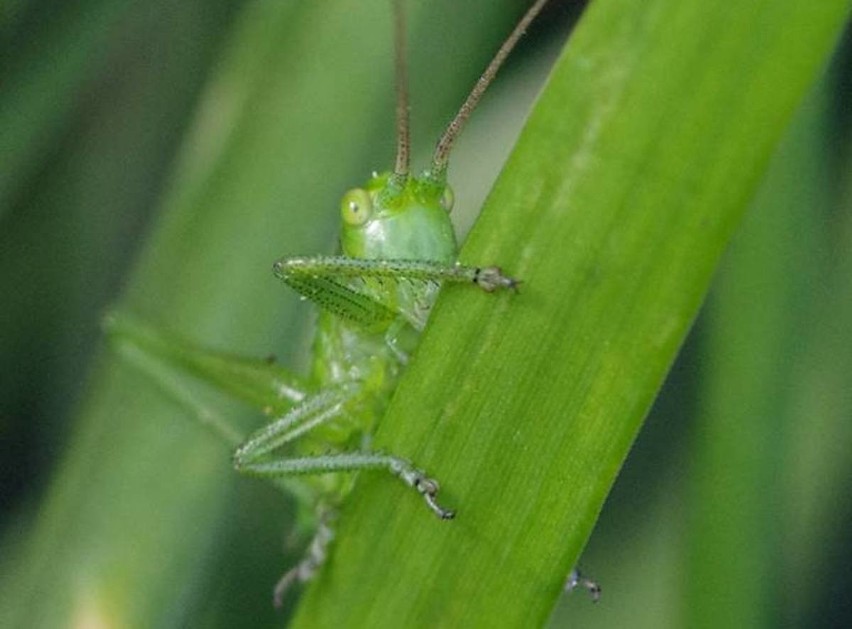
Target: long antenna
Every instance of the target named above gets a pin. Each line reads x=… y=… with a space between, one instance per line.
x=445 y=144
x=403 y=133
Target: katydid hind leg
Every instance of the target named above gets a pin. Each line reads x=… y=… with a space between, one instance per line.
x=262 y=383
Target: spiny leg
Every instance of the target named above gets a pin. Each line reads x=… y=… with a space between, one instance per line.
x=354 y=462
x=355 y=288
x=306 y=569
x=577 y=579
x=300 y=271
x=313 y=411
x=252 y=458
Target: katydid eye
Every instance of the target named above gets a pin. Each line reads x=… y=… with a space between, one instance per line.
x=356 y=207
x=448 y=198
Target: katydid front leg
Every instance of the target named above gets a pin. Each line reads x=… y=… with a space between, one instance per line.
x=332 y=283
x=578 y=579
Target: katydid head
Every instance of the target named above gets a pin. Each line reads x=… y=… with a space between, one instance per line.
x=398 y=219
x=397 y=215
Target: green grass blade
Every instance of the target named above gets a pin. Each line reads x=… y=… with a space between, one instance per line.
x=817 y=502
x=629 y=179
x=765 y=453
x=761 y=302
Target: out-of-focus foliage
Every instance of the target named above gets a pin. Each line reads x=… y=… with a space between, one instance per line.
x=733 y=506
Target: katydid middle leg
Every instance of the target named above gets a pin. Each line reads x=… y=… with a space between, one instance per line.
x=253 y=457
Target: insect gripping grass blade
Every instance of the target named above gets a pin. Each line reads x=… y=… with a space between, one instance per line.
x=397 y=248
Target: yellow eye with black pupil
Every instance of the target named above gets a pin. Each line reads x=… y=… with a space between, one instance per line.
x=356 y=207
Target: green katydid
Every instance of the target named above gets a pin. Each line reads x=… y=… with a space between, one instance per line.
x=397 y=248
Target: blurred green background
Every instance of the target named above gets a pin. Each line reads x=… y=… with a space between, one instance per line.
x=732 y=509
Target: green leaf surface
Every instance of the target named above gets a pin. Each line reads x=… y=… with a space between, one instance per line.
x=628 y=181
